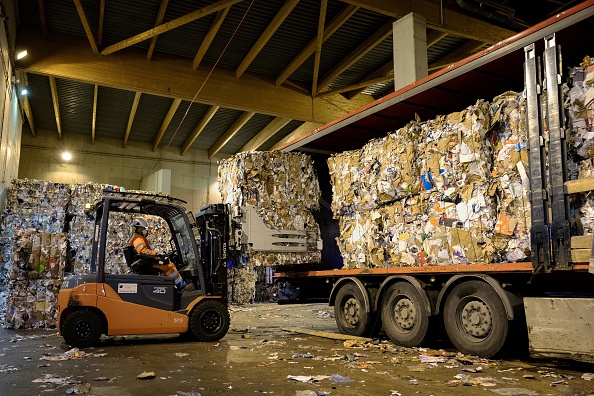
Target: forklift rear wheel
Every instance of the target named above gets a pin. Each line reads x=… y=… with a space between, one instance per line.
x=404 y=316
x=209 y=321
x=82 y=328
x=349 y=311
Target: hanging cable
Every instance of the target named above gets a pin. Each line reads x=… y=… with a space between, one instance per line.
x=208 y=76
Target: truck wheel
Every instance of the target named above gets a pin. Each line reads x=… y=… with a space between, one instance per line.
x=349 y=311
x=209 y=320
x=475 y=319
x=82 y=328
x=404 y=316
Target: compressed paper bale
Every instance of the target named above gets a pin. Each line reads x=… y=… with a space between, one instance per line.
x=269 y=179
x=452 y=149
x=345 y=187
x=37 y=194
x=241 y=285
x=579 y=103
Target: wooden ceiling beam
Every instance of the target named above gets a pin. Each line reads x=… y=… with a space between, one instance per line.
x=199 y=128
x=272 y=27
x=300 y=131
x=69 y=57
x=363 y=49
x=131 y=117
x=265 y=134
x=158 y=21
x=319 y=42
x=86 y=26
x=433 y=38
x=94 y=119
x=172 y=109
x=56 y=102
x=212 y=32
x=358 y=86
x=42 y=18
x=29 y=114
x=232 y=131
x=306 y=52
x=101 y=20
x=460 y=53
x=192 y=16
x=453 y=22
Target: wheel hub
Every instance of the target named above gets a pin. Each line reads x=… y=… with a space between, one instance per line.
x=211 y=321
x=405 y=313
x=82 y=330
x=476 y=319
x=351 y=311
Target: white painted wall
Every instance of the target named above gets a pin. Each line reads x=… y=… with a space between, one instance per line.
x=10 y=113
x=193 y=176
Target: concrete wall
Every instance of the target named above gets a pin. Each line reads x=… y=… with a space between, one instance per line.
x=193 y=176
x=10 y=112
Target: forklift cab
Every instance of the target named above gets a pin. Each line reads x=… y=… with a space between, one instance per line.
x=117 y=304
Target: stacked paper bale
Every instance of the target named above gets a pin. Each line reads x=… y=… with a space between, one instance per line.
x=579 y=104
x=34 y=251
x=119 y=231
x=509 y=136
x=284 y=190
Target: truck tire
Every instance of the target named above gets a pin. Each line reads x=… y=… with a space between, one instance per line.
x=404 y=316
x=349 y=311
x=82 y=328
x=209 y=320
x=475 y=319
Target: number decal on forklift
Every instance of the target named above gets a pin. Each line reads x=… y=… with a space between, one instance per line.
x=127 y=288
x=160 y=290
x=178 y=320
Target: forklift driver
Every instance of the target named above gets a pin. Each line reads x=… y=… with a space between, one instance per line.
x=141 y=246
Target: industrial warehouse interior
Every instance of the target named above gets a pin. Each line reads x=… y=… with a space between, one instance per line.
x=299 y=197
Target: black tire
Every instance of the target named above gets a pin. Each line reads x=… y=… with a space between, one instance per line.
x=209 y=320
x=404 y=316
x=349 y=311
x=82 y=328
x=475 y=319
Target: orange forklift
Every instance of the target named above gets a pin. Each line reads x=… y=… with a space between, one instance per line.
x=100 y=303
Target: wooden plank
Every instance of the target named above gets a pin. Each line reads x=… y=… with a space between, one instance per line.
x=87 y=27
x=94 y=118
x=199 y=128
x=300 y=131
x=212 y=32
x=438 y=18
x=580 y=255
x=319 y=41
x=581 y=242
x=56 y=103
x=580 y=185
x=325 y=334
x=362 y=49
x=228 y=135
x=266 y=133
x=158 y=21
x=29 y=114
x=192 y=16
x=266 y=35
x=131 y=117
x=42 y=19
x=306 y=52
x=101 y=19
x=166 y=122
x=70 y=57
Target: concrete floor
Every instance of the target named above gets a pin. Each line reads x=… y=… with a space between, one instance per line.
x=258 y=357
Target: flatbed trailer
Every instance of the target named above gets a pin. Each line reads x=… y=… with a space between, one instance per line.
x=485 y=307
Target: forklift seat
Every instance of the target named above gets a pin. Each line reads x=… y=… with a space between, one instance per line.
x=130 y=255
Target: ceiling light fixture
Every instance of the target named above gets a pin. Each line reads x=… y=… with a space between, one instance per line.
x=24 y=91
x=66 y=156
x=21 y=54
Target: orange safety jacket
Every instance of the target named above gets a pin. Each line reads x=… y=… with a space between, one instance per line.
x=141 y=245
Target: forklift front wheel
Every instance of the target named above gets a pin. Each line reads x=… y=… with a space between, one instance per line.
x=82 y=328
x=209 y=320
